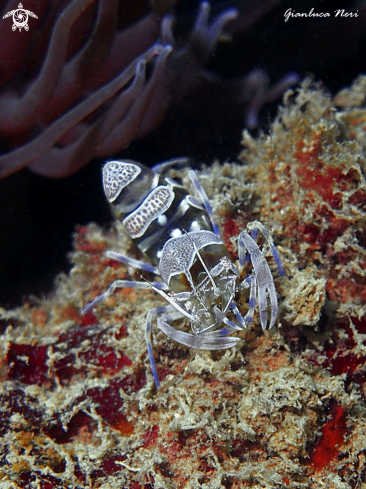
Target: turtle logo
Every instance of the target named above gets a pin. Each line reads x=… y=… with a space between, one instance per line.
x=20 y=17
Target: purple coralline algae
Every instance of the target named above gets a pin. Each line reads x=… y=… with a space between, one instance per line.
x=284 y=408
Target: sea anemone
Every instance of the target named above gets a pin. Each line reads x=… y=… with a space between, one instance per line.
x=90 y=95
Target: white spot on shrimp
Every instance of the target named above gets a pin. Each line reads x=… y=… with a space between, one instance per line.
x=151 y=208
x=116 y=176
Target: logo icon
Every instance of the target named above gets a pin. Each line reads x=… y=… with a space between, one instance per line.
x=20 y=17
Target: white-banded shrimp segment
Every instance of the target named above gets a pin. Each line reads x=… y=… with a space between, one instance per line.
x=152 y=208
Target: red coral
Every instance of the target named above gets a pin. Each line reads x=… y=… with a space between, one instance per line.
x=110 y=359
x=344 y=289
x=231 y=228
x=347 y=364
x=315 y=176
x=110 y=465
x=27 y=363
x=29 y=479
x=341 y=358
x=76 y=428
x=88 y=319
x=16 y=401
x=110 y=402
x=360 y=324
x=331 y=441
x=329 y=189
x=82 y=243
x=151 y=436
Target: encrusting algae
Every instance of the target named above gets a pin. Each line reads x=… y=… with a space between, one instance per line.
x=286 y=408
